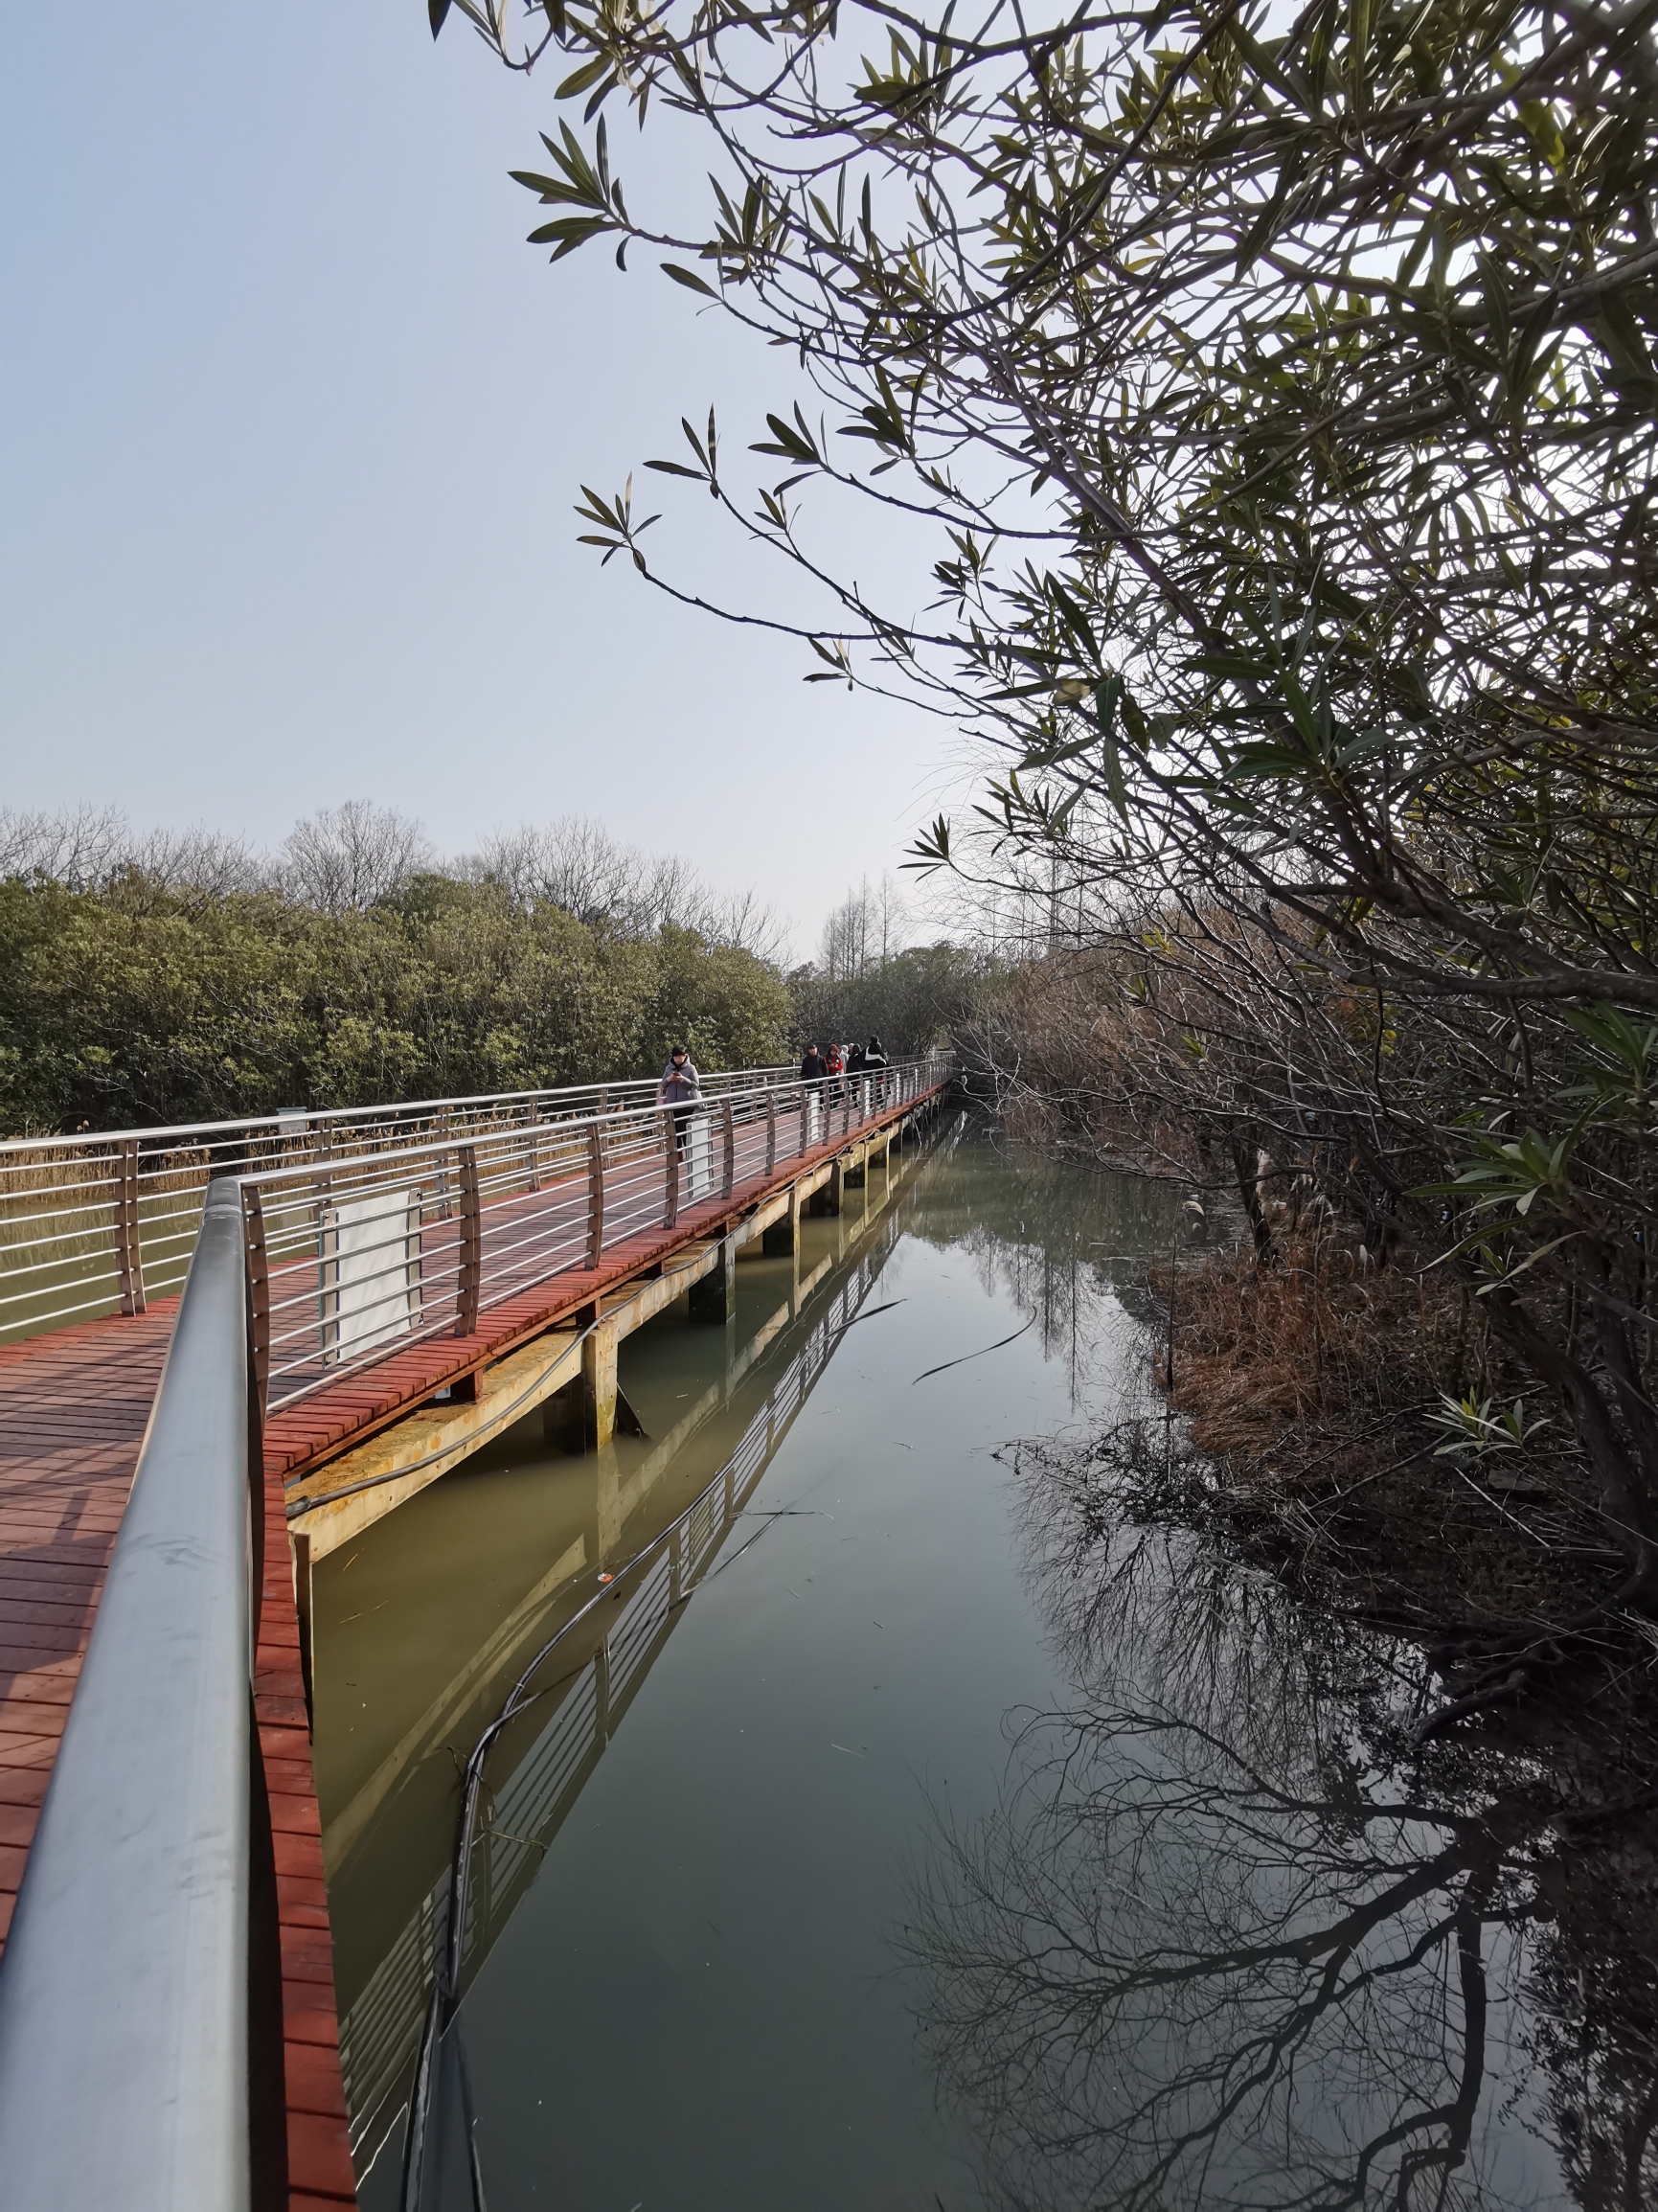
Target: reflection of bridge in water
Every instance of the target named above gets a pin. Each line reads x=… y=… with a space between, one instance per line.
x=596 y=1675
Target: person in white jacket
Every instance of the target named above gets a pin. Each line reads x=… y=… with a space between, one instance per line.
x=681 y=1090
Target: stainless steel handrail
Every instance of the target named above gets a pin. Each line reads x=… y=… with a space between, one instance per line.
x=103 y=1222
x=124 y=1986
x=425 y=1265
x=310 y=1120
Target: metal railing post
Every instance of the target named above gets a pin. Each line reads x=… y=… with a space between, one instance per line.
x=441 y=1129
x=321 y=1152
x=257 y=1268
x=124 y=1988
x=770 y=1132
x=670 y=1196
x=595 y=1195
x=532 y=1145
x=469 y=1282
x=729 y=1181
x=128 y=1258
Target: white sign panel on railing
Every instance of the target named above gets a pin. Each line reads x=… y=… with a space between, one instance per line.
x=370 y=1266
x=698 y=1159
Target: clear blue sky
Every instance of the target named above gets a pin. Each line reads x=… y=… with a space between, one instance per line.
x=293 y=425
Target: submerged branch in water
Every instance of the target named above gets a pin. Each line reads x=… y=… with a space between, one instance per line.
x=966 y=1356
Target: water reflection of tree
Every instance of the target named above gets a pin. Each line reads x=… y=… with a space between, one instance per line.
x=1215 y=1948
x=1060 y=1241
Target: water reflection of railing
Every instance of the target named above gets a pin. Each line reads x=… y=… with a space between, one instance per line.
x=379 y=2034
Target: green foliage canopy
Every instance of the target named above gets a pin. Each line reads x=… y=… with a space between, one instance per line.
x=137 y=1005
x=1324 y=347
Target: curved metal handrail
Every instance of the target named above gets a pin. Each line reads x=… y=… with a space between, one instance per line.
x=124 y=1986
x=317 y=1119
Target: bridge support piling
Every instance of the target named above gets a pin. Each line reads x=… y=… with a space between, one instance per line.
x=779 y=1242
x=825 y=1199
x=598 y=1389
x=715 y=1297
x=561 y=1427
x=583 y=1416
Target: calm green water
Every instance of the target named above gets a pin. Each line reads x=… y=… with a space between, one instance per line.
x=944 y=1832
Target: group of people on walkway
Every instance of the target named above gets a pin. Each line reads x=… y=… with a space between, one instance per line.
x=821 y=1066
x=817 y=1062
x=680 y=1089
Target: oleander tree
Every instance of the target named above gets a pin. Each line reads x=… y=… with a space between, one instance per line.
x=1273 y=391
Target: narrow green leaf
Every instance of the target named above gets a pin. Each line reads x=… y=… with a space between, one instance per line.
x=689 y=279
x=589 y=72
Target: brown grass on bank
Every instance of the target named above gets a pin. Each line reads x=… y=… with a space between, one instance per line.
x=1309 y=1386
x=1323 y=1337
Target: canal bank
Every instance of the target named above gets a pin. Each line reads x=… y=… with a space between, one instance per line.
x=899 y=1845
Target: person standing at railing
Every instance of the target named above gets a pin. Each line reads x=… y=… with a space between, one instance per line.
x=874 y=1066
x=860 y=1090
x=681 y=1091
x=813 y=1067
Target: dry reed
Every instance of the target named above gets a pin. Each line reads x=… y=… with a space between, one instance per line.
x=1308 y=1389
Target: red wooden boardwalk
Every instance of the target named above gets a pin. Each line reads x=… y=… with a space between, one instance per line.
x=73 y=1409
